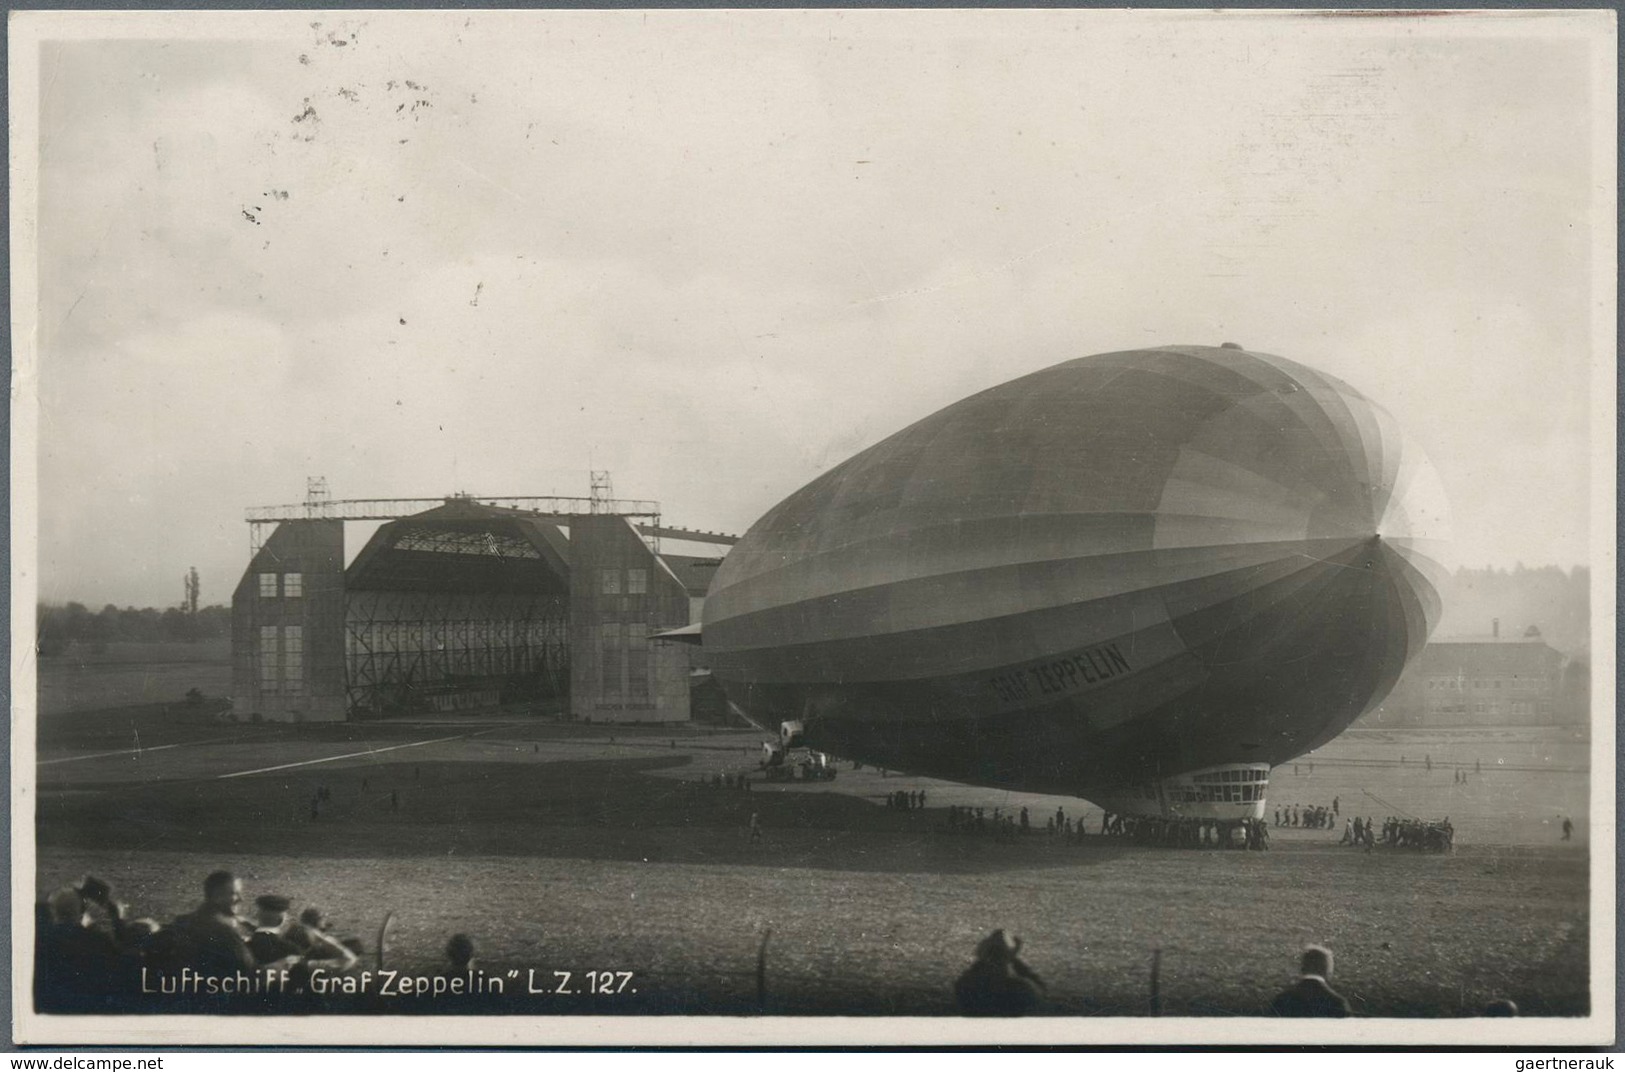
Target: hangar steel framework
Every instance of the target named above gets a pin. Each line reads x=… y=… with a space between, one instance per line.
x=466 y=601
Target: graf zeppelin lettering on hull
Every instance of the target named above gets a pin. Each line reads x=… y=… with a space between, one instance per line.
x=1070 y=673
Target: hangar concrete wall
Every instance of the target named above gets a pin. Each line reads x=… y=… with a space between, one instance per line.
x=287 y=626
x=620 y=594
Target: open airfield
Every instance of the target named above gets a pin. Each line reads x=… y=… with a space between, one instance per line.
x=126 y=672
x=582 y=848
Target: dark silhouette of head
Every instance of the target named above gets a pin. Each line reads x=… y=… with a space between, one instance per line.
x=998 y=948
x=460 y=951
x=222 y=891
x=1316 y=960
x=66 y=905
x=1501 y=1007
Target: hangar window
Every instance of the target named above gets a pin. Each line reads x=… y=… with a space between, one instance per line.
x=637 y=581
x=268 y=660
x=293 y=655
x=609 y=661
x=267 y=586
x=637 y=661
x=293 y=585
x=611 y=585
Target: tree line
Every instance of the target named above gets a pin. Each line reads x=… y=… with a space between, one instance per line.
x=62 y=626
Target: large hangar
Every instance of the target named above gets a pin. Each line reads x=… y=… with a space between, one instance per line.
x=467 y=604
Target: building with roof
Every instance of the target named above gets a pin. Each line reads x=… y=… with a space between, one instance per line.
x=1491 y=680
x=468 y=604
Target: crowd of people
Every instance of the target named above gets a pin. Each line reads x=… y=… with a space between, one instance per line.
x=1252 y=834
x=1357 y=832
x=968 y=820
x=89 y=947
x=1314 y=817
x=90 y=952
x=92 y=955
x=1402 y=833
x=1142 y=830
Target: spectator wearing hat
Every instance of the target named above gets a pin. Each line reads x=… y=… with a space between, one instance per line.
x=99 y=895
x=1311 y=994
x=271 y=942
x=998 y=982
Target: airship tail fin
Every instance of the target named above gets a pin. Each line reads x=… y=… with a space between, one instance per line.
x=688 y=634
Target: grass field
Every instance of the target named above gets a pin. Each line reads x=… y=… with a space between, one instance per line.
x=132 y=674
x=566 y=848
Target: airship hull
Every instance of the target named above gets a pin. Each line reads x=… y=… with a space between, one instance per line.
x=1106 y=574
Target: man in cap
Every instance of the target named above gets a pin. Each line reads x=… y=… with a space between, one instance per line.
x=271 y=941
x=1311 y=994
x=998 y=982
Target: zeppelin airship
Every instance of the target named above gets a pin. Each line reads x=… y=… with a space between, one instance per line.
x=1141 y=578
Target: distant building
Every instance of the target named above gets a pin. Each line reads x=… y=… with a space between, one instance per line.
x=467 y=605
x=1481 y=681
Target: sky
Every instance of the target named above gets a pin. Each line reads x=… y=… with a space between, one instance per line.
x=716 y=253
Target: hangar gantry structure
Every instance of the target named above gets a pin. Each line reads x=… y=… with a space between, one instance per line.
x=468 y=602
